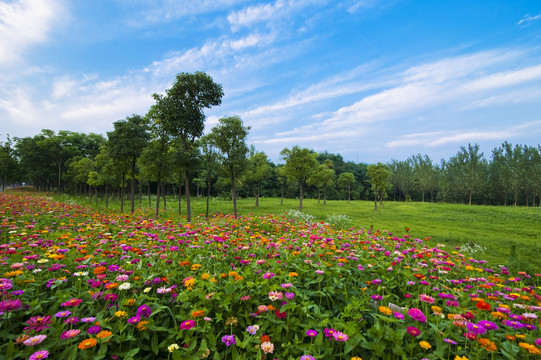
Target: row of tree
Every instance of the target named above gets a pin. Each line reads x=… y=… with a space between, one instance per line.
x=165 y=149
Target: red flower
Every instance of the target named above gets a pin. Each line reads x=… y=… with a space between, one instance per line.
x=280 y=315
x=481 y=305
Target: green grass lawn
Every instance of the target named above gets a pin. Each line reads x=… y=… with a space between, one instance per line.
x=508 y=236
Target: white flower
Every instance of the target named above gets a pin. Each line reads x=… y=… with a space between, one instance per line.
x=124 y=286
x=42 y=261
x=172 y=347
x=147 y=290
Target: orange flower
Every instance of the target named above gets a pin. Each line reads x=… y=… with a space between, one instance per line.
x=198 y=313
x=88 y=343
x=103 y=334
x=488 y=345
x=100 y=270
x=111 y=286
x=265 y=338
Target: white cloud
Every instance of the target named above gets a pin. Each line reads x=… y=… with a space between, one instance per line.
x=23 y=23
x=527 y=19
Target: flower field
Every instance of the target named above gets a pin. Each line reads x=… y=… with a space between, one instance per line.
x=81 y=284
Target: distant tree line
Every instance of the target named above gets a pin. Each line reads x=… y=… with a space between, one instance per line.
x=165 y=153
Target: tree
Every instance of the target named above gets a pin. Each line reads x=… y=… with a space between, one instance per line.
x=230 y=138
x=258 y=170
x=126 y=143
x=402 y=177
x=321 y=178
x=380 y=177
x=424 y=174
x=210 y=153
x=345 y=180
x=8 y=163
x=472 y=169
x=299 y=166
x=181 y=112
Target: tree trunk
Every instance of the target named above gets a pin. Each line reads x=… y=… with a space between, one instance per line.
x=318 y=196
x=516 y=197
x=349 y=193
x=164 y=197
x=96 y=188
x=132 y=191
x=149 y=197
x=325 y=195
x=140 y=194
x=187 y=193
x=122 y=194
x=282 y=196
x=106 y=195
x=300 y=195
x=471 y=194
x=209 y=179
x=179 y=196
x=423 y=196
x=376 y=198
x=158 y=199
x=234 y=192
x=59 y=168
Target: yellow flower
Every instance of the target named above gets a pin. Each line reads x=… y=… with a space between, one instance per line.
x=121 y=314
x=356 y=358
x=461 y=358
x=385 y=310
x=142 y=325
x=205 y=276
x=424 y=345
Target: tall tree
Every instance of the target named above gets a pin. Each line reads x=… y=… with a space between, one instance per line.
x=345 y=180
x=402 y=177
x=471 y=169
x=126 y=143
x=424 y=174
x=299 y=166
x=181 y=112
x=258 y=170
x=230 y=138
x=380 y=177
x=322 y=177
x=209 y=152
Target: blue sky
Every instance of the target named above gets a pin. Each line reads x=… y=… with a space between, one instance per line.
x=372 y=80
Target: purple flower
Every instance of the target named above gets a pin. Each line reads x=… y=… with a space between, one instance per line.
x=88 y=319
x=144 y=310
x=228 y=340
x=449 y=341
x=62 y=314
x=134 y=319
x=71 y=320
x=489 y=325
x=94 y=329
x=307 y=357
x=38 y=323
x=376 y=297
x=311 y=333
x=475 y=328
x=290 y=296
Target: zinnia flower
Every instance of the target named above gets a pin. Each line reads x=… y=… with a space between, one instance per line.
x=424 y=345
x=413 y=331
x=267 y=347
x=42 y=354
x=88 y=343
x=35 y=340
x=228 y=340
x=187 y=325
x=38 y=323
x=68 y=334
x=340 y=336
x=311 y=333
x=417 y=314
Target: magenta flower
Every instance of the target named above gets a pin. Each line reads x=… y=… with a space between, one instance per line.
x=417 y=314
x=413 y=331
x=187 y=325
x=38 y=323
x=42 y=354
x=307 y=357
x=72 y=302
x=311 y=333
x=134 y=319
x=10 y=305
x=94 y=329
x=68 y=334
x=228 y=340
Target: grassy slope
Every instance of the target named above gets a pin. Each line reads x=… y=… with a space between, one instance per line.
x=495 y=229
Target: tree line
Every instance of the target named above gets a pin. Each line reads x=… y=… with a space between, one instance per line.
x=165 y=152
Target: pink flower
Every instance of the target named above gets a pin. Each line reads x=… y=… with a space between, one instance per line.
x=267 y=347
x=68 y=334
x=187 y=325
x=426 y=298
x=35 y=340
x=276 y=295
x=417 y=314
x=340 y=336
x=42 y=354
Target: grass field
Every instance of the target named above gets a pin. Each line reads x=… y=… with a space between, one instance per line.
x=509 y=236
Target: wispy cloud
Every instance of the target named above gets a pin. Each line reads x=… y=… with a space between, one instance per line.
x=438 y=138
x=23 y=23
x=527 y=19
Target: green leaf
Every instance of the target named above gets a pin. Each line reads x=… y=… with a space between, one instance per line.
x=131 y=353
x=154 y=344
